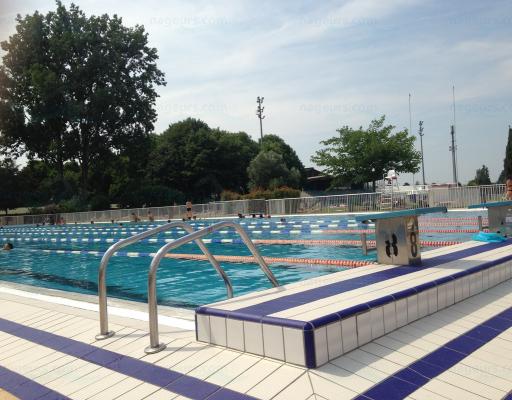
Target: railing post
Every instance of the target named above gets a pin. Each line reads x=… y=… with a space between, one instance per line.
x=154 y=345
x=102 y=286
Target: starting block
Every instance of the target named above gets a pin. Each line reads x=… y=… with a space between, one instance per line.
x=397 y=235
x=499 y=215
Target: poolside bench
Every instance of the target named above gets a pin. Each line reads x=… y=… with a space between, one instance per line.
x=311 y=322
x=397 y=235
x=499 y=216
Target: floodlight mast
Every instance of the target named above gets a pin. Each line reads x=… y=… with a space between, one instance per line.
x=259 y=113
x=421 y=144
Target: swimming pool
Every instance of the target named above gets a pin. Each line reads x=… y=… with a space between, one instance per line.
x=38 y=257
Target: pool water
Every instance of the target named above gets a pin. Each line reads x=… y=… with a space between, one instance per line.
x=186 y=283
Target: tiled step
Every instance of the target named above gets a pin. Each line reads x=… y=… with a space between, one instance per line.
x=309 y=323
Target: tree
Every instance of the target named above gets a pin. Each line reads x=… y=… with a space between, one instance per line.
x=507 y=162
x=502 y=178
x=201 y=162
x=10 y=195
x=236 y=151
x=76 y=88
x=361 y=155
x=481 y=177
x=44 y=184
x=269 y=171
x=291 y=159
x=184 y=158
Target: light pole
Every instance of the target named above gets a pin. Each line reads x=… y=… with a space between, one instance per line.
x=259 y=113
x=453 y=149
x=421 y=144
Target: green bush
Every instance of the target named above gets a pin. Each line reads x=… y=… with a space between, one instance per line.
x=228 y=195
x=35 y=210
x=99 y=202
x=258 y=193
x=74 y=204
x=151 y=196
x=282 y=192
x=285 y=192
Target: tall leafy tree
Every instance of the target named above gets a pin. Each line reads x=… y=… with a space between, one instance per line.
x=502 y=178
x=482 y=176
x=184 y=159
x=201 y=162
x=74 y=87
x=507 y=162
x=291 y=159
x=269 y=171
x=357 y=156
x=236 y=151
x=10 y=194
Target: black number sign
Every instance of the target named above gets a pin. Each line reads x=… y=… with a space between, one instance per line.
x=414 y=244
x=392 y=245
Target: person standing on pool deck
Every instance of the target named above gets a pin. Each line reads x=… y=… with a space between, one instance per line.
x=151 y=218
x=188 y=204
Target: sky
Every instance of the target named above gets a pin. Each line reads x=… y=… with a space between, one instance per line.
x=324 y=65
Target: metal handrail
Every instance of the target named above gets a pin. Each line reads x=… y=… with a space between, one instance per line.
x=102 y=286
x=155 y=346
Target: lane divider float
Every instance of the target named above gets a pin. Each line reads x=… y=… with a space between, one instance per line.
x=305 y=242
x=222 y=258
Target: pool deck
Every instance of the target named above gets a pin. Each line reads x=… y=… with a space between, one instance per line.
x=47 y=350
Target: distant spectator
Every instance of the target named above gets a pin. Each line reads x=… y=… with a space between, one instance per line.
x=188 y=215
x=151 y=218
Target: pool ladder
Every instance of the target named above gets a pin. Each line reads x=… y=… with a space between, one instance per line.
x=192 y=236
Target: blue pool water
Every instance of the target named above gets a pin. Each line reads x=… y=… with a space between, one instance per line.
x=184 y=283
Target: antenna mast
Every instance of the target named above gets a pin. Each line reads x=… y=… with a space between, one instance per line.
x=453 y=147
x=259 y=113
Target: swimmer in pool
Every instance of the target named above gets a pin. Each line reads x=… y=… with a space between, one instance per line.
x=7 y=247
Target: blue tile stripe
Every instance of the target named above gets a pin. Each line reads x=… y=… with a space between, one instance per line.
x=165 y=378
x=24 y=388
x=409 y=379
x=259 y=311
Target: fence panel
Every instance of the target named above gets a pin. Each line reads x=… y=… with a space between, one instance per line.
x=457 y=197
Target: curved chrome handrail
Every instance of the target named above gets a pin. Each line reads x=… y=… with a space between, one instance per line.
x=155 y=346
x=102 y=285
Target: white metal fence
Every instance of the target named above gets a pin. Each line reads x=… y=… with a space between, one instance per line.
x=457 y=197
